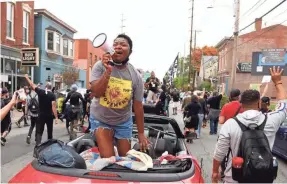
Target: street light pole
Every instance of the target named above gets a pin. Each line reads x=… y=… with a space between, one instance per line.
x=235 y=42
x=190 y=50
x=122 y=26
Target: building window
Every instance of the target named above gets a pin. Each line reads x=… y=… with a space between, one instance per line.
x=71 y=48
x=58 y=43
x=25 y=26
x=65 y=47
x=10 y=20
x=50 y=45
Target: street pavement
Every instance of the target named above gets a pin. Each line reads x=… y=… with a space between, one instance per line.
x=17 y=154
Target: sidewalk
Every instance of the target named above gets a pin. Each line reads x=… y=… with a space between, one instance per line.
x=15 y=115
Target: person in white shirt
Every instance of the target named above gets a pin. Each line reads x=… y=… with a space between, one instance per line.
x=230 y=133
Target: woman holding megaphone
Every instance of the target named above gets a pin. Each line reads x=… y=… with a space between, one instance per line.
x=117 y=87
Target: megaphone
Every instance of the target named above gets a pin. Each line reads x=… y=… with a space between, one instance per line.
x=100 y=41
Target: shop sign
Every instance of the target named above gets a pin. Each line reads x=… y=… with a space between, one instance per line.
x=244 y=67
x=30 y=56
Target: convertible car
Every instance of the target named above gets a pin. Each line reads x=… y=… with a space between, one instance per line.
x=280 y=144
x=165 y=137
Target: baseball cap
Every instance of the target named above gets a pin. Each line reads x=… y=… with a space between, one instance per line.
x=234 y=93
x=265 y=99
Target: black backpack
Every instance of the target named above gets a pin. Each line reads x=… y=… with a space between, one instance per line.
x=33 y=105
x=255 y=150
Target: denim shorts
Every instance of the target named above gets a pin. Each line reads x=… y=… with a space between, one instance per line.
x=121 y=131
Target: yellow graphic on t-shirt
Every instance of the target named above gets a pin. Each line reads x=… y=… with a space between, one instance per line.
x=118 y=93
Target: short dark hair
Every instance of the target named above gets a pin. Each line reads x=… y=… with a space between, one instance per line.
x=194 y=98
x=126 y=37
x=215 y=93
x=250 y=96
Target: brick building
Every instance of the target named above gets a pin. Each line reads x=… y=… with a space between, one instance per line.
x=86 y=56
x=274 y=36
x=17 y=31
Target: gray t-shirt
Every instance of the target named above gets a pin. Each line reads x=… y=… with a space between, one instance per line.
x=125 y=85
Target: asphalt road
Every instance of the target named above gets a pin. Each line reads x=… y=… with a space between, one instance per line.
x=16 y=154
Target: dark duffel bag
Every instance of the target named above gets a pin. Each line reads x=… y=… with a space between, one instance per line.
x=57 y=154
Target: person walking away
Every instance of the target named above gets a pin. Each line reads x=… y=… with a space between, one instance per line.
x=186 y=101
x=181 y=95
x=117 y=89
x=6 y=121
x=60 y=111
x=161 y=101
x=75 y=108
x=152 y=84
x=24 y=116
x=167 y=101
x=47 y=108
x=214 y=110
x=202 y=112
x=228 y=111
x=260 y=129
x=88 y=100
x=176 y=102
x=32 y=109
x=191 y=120
x=232 y=108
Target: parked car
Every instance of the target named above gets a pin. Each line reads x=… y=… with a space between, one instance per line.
x=163 y=132
x=280 y=144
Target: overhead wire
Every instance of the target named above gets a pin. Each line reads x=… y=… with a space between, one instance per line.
x=250 y=8
x=257 y=7
x=272 y=9
x=285 y=11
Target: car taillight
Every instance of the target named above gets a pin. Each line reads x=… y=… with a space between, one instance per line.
x=103 y=174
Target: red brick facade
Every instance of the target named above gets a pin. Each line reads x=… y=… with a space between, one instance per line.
x=86 y=56
x=18 y=24
x=270 y=37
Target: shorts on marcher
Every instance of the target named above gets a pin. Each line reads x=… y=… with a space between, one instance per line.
x=176 y=104
x=121 y=131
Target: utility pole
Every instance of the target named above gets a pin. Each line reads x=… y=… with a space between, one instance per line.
x=194 y=70
x=122 y=25
x=190 y=49
x=236 y=32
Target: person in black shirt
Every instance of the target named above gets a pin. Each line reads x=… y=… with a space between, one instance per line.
x=193 y=108
x=161 y=101
x=265 y=104
x=176 y=101
x=74 y=111
x=6 y=121
x=152 y=84
x=214 y=110
x=47 y=110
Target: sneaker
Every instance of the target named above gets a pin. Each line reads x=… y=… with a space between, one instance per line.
x=25 y=125
x=28 y=139
x=3 y=141
x=18 y=124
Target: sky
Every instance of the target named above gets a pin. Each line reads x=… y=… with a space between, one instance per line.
x=160 y=29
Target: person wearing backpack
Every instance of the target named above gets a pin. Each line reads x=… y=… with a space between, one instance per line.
x=32 y=109
x=259 y=129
